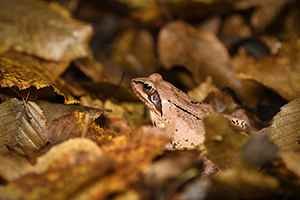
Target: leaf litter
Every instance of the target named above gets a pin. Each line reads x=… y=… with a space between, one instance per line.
x=54 y=151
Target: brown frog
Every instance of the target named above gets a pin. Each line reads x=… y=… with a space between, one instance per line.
x=168 y=104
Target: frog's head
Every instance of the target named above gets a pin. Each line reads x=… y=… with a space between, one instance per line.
x=146 y=90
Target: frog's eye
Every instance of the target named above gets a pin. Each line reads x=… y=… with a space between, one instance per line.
x=147 y=87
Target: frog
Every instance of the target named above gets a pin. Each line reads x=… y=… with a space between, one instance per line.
x=167 y=104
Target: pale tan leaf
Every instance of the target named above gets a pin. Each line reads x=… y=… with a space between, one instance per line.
x=20 y=127
x=45 y=30
x=284 y=130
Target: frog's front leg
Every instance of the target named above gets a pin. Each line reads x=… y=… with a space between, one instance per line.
x=239 y=124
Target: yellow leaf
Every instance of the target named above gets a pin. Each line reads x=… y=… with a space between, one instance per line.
x=12 y=73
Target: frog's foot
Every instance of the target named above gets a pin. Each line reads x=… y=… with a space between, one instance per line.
x=239 y=124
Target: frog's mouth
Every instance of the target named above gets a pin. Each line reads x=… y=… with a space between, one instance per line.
x=151 y=98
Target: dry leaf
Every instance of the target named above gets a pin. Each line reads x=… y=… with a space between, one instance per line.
x=222 y=101
x=201 y=91
x=132 y=51
x=287 y=165
x=47 y=32
x=130 y=156
x=292 y=28
x=245 y=184
x=279 y=72
x=287 y=169
x=167 y=169
x=12 y=168
x=284 y=130
x=21 y=124
x=74 y=125
x=266 y=13
x=110 y=90
x=61 y=172
x=91 y=68
x=55 y=69
x=23 y=76
x=223 y=143
x=235 y=25
x=201 y=53
x=259 y=151
x=56 y=110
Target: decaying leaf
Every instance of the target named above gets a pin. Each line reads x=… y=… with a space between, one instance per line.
x=292 y=28
x=83 y=161
x=55 y=110
x=287 y=165
x=75 y=125
x=135 y=49
x=12 y=168
x=235 y=25
x=201 y=91
x=133 y=114
x=22 y=124
x=62 y=171
x=110 y=90
x=130 y=156
x=284 y=130
x=287 y=169
x=259 y=151
x=279 y=72
x=55 y=69
x=194 y=189
x=201 y=53
x=266 y=13
x=169 y=168
x=223 y=101
x=132 y=52
x=245 y=183
x=224 y=144
x=23 y=76
x=47 y=32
